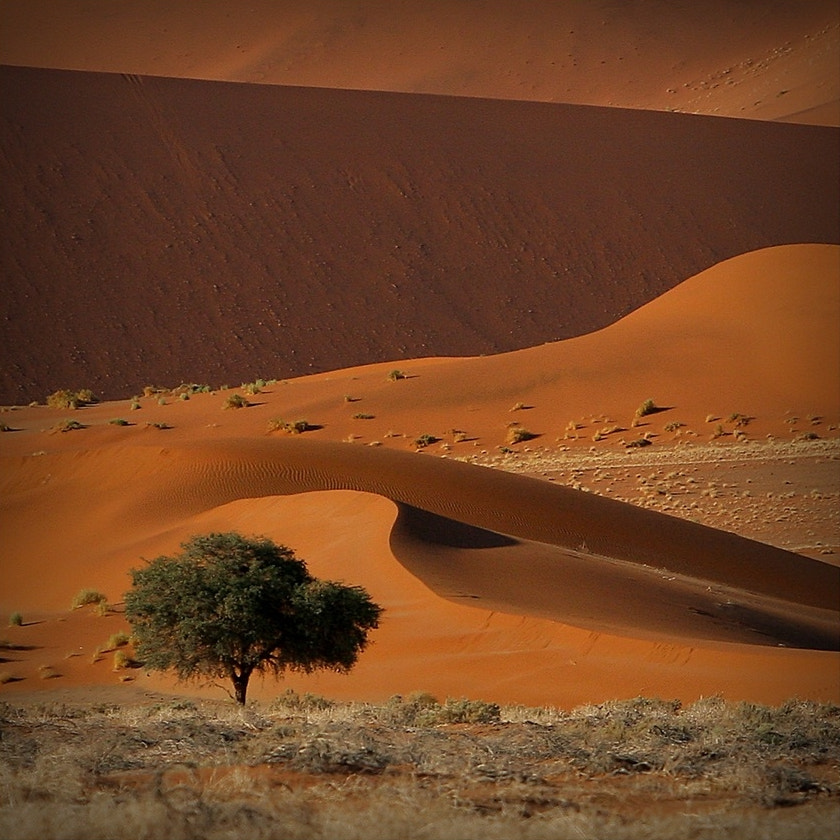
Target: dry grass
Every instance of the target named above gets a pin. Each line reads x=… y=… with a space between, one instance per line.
x=304 y=767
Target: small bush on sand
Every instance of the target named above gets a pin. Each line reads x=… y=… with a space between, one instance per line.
x=236 y=401
x=119 y=639
x=362 y=416
x=68 y=426
x=293 y=427
x=15 y=620
x=121 y=660
x=65 y=399
x=425 y=440
x=88 y=596
x=518 y=434
x=5 y=427
x=394 y=375
x=118 y=421
x=647 y=407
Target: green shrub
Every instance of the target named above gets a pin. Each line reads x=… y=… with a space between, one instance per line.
x=236 y=401
x=15 y=620
x=294 y=427
x=394 y=375
x=118 y=421
x=119 y=639
x=647 y=407
x=88 y=596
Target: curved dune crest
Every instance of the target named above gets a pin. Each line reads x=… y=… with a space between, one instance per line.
x=533 y=547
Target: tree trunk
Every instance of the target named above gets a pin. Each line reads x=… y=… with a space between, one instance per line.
x=240 y=685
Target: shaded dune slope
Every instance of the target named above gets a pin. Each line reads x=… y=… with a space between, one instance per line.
x=161 y=230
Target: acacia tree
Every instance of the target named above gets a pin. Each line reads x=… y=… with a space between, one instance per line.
x=228 y=606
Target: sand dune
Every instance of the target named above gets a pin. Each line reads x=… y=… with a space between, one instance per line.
x=163 y=230
x=770 y=60
x=567 y=595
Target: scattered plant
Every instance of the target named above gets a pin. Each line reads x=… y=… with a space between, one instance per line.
x=363 y=416
x=159 y=425
x=519 y=434
x=425 y=440
x=394 y=375
x=294 y=427
x=15 y=620
x=84 y=597
x=118 y=421
x=68 y=426
x=65 y=399
x=646 y=408
x=236 y=401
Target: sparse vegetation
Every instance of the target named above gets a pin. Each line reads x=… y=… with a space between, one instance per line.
x=236 y=401
x=162 y=426
x=85 y=597
x=425 y=440
x=15 y=620
x=292 y=427
x=65 y=399
x=394 y=375
x=519 y=434
x=200 y=769
x=227 y=607
x=362 y=416
x=118 y=421
x=646 y=408
x=68 y=426
x=673 y=426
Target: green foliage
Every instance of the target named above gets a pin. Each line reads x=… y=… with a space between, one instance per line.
x=647 y=407
x=88 y=596
x=292 y=427
x=236 y=401
x=228 y=606
x=394 y=375
x=15 y=620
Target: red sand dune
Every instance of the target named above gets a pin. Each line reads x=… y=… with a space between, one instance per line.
x=661 y=606
x=160 y=231
x=768 y=60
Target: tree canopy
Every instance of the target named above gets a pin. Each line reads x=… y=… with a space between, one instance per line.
x=228 y=606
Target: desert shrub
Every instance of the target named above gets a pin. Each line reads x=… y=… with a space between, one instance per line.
x=162 y=426
x=65 y=399
x=518 y=434
x=118 y=421
x=673 y=426
x=292 y=427
x=68 y=426
x=638 y=443
x=293 y=701
x=647 y=407
x=134 y=405
x=425 y=440
x=236 y=401
x=88 y=596
x=184 y=396
x=118 y=639
x=15 y=620
x=5 y=427
x=121 y=660
x=394 y=375
x=253 y=388
x=460 y=711
x=518 y=406
x=362 y=416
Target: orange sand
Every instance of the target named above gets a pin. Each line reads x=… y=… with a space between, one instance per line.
x=523 y=591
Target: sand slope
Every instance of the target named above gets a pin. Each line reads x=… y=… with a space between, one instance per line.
x=769 y=60
x=566 y=595
x=166 y=230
